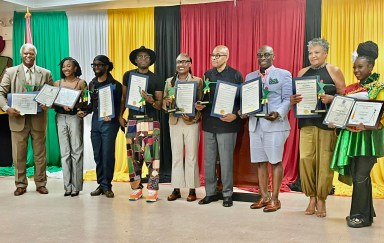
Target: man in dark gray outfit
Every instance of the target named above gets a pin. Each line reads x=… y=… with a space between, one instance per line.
x=220 y=133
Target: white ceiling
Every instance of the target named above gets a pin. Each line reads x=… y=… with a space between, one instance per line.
x=63 y=5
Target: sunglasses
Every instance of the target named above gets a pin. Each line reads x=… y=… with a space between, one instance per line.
x=265 y=55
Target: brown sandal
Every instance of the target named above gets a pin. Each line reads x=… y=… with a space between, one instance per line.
x=260 y=203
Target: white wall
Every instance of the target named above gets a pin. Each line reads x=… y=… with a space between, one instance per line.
x=8 y=44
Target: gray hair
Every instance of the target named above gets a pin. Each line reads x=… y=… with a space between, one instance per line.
x=319 y=42
x=27 y=46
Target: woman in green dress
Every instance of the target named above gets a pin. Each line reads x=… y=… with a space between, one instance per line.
x=357 y=149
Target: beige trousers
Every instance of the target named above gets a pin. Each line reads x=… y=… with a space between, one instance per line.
x=185 y=172
x=19 y=154
x=316 y=151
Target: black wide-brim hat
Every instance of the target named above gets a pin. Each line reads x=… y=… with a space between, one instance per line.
x=151 y=53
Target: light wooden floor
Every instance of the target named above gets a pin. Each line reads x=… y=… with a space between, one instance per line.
x=52 y=218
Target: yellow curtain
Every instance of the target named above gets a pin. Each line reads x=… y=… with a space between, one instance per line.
x=128 y=29
x=345 y=24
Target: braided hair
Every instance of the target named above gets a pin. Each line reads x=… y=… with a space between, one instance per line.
x=368 y=50
x=76 y=63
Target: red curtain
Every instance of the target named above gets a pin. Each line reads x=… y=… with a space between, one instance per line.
x=244 y=28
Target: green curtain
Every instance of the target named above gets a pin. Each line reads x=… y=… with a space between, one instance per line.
x=50 y=36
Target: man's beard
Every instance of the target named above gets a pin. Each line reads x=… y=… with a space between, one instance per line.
x=99 y=74
x=143 y=66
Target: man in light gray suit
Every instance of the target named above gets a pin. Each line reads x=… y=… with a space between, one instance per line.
x=19 y=79
x=268 y=135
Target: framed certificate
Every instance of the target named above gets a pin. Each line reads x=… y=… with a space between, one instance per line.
x=47 y=95
x=224 y=101
x=24 y=102
x=340 y=110
x=67 y=97
x=250 y=94
x=137 y=83
x=368 y=112
x=106 y=102
x=307 y=87
x=185 y=97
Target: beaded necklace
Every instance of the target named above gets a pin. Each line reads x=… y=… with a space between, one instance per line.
x=319 y=67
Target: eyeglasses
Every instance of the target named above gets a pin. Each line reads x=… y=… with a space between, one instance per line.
x=143 y=57
x=265 y=55
x=97 y=65
x=217 y=55
x=182 y=62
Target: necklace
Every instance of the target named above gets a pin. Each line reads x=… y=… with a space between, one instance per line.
x=70 y=81
x=373 y=77
x=319 y=67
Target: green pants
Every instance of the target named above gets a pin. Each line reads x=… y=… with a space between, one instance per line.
x=316 y=151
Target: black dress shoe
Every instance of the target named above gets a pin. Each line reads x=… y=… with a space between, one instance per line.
x=358 y=222
x=208 y=199
x=67 y=193
x=227 y=202
x=97 y=192
x=75 y=194
x=109 y=193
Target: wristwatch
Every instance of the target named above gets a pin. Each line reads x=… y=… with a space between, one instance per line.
x=279 y=117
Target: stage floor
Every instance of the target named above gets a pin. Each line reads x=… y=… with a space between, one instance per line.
x=52 y=218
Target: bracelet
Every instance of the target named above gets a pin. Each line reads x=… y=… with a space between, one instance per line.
x=336 y=133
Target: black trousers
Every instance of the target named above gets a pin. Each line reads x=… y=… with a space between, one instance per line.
x=362 y=202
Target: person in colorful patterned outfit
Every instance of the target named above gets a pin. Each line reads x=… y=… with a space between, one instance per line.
x=357 y=149
x=143 y=135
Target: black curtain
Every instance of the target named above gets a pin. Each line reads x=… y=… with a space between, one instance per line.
x=312 y=25
x=167 y=47
x=312 y=30
x=5 y=142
